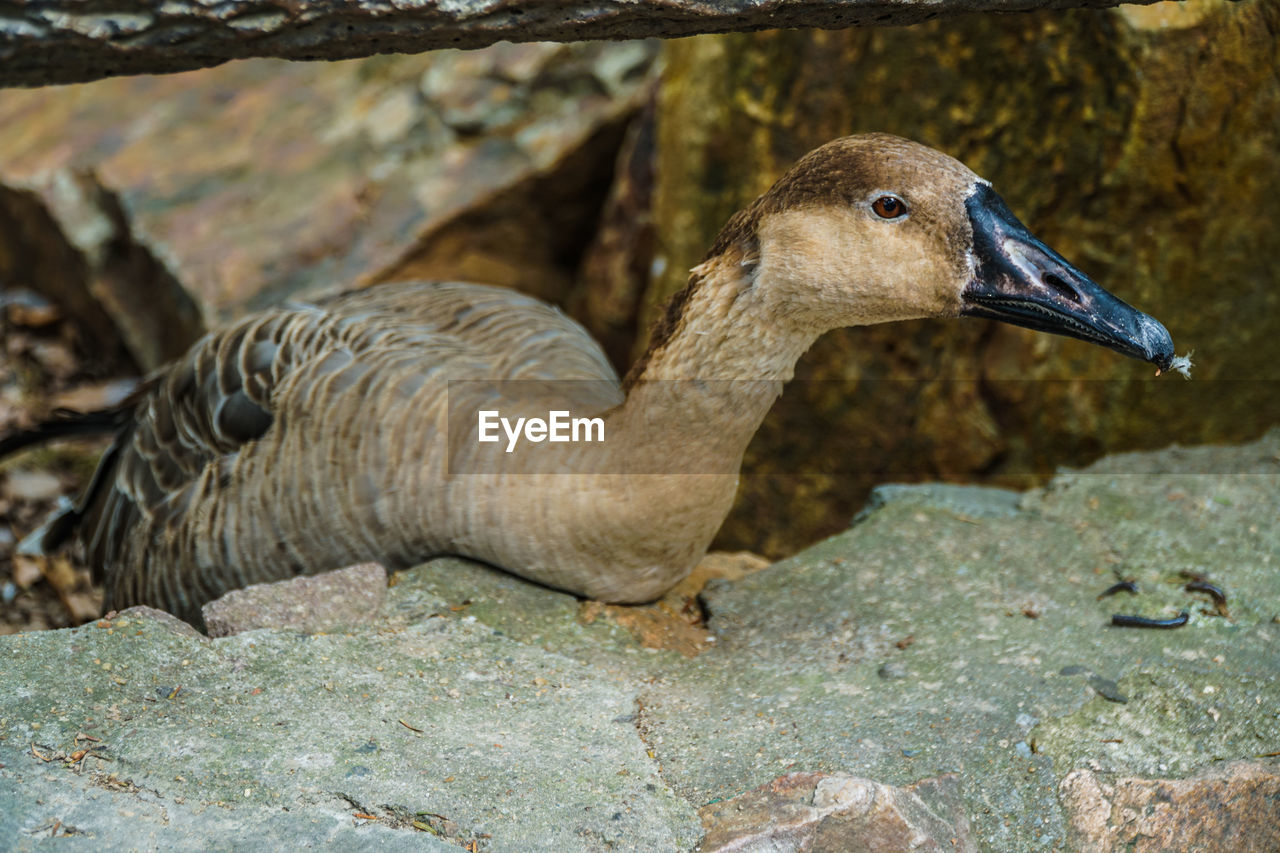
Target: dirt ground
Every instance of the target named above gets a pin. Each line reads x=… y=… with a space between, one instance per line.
x=43 y=367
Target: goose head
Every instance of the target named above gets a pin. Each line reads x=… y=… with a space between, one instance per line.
x=875 y=228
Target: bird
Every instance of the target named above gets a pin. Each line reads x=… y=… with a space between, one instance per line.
x=376 y=424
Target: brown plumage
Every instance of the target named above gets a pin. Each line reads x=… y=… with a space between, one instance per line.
x=307 y=438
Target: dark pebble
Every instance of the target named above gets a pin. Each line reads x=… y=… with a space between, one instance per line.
x=1107 y=689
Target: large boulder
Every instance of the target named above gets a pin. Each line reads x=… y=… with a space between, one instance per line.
x=252 y=182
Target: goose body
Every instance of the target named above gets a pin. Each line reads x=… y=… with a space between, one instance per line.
x=309 y=437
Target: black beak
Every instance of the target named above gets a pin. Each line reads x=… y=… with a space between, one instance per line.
x=1022 y=281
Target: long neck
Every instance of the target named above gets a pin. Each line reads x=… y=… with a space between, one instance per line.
x=643 y=504
x=713 y=371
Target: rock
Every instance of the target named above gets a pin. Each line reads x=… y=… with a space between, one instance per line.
x=30 y=485
x=68 y=235
x=818 y=811
x=94 y=396
x=1107 y=689
x=1234 y=807
x=26 y=570
x=615 y=269
x=484 y=708
x=674 y=623
x=361 y=739
x=1140 y=113
x=530 y=235
x=93 y=808
x=49 y=41
x=794 y=679
x=489 y=164
x=324 y=602
x=892 y=669
x=37 y=257
x=172 y=624
x=677 y=621
x=973 y=502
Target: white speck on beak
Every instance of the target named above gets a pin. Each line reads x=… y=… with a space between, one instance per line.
x=1182 y=364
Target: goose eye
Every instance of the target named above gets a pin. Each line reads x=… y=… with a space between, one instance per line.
x=889 y=207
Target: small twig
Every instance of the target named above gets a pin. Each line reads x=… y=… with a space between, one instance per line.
x=1219 y=597
x=1122 y=586
x=1121 y=620
x=960 y=517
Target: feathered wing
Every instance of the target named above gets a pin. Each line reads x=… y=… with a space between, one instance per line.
x=193 y=415
x=200 y=492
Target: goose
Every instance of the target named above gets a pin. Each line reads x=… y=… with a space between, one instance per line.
x=351 y=428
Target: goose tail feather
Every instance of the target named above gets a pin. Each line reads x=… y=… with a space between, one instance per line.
x=65 y=518
x=55 y=531
x=66 y=424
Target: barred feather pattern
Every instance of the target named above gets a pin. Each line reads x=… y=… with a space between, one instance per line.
x=304 y=438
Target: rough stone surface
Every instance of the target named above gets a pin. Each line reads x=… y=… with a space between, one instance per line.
x=349 y=596
x=255 y=182
x=615 y=270
x=1150 y=122
x=444 y=723
x=68 y=239
x=1235 y=808
x=817 y=811
x=55 y=41
x=482 y=708
x=92 y=812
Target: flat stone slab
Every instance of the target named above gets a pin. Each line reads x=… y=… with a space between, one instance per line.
x=950 y=647
x=89 y=812
x=444 y=727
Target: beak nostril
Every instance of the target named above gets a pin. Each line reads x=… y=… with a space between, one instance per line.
x=1061 y=287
